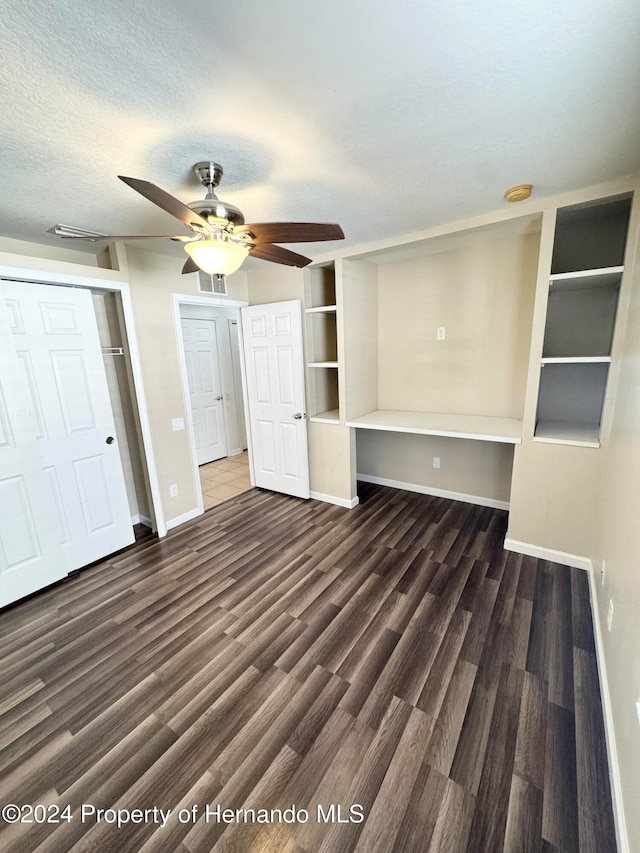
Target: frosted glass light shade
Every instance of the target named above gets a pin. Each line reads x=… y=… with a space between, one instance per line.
x=217 y=257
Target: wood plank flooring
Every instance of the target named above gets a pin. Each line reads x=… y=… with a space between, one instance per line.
x=391 y=662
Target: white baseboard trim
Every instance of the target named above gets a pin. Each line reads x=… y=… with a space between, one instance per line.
x=331 y=499
x=574 y=560
x=182 y=519
x=141 y=519
x=438 y=493
x=609 y=731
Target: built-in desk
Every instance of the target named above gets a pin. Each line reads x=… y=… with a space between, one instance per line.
x=476 y=427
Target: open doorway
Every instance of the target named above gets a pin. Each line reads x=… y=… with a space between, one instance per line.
x=107 y=307
x=224 y=479
x=209 y=346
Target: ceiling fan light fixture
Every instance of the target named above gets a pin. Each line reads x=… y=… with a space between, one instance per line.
x=220 y=238
x=217 y=257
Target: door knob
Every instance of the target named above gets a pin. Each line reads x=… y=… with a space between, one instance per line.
x=219 y=398
x=110 y=439
x=297 y=416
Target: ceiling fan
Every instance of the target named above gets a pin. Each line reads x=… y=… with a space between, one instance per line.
x=221 y=240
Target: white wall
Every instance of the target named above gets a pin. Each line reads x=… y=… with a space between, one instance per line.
x=483 y=296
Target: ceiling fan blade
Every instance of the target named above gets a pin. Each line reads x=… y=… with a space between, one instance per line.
x=167 y=202
x=278 y=255
x=190 y=266
x=98 y=237
x=292 y=232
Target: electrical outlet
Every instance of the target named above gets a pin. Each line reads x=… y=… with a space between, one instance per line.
x=602 y=572
x=173 y=490
x=440 y=333
x=610 y=614
x=177 y=424
x=436 y=461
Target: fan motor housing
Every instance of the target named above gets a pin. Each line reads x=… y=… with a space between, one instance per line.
x=218 y=213
x=209 y=173
x=213 y=209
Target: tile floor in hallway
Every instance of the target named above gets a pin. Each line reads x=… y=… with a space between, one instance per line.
x=224 y=478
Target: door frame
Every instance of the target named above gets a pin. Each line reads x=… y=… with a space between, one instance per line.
x=28 y=275
x=212 y=302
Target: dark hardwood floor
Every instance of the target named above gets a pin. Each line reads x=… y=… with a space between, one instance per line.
x=392 y=661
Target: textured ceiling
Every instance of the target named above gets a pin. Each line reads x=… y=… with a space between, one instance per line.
x=384 y=116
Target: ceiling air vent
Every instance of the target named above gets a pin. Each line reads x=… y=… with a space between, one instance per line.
x=213 y=284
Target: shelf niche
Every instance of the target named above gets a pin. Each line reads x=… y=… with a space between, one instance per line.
x=571 y=395
x=591 y=237
x=580 y=320
x=323 y=338
x=321 y=287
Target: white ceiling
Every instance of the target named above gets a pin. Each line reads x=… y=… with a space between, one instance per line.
x=383 y=116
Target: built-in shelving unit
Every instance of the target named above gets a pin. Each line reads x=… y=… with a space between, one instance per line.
x=449 y=361
x=322 y=345
x=586 y=273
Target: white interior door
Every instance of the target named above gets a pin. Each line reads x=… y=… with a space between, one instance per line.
x=274 y=368
x=200 y=341
x=63 y=501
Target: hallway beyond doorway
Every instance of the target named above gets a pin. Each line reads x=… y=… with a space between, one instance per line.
x=224 y=478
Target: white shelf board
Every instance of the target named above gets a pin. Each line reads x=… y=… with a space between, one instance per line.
x=321 y=309
x=332 y=417
x=477 y=427
x=565 y=432
x=322 y=364
x=585 y=279
x=583 y=359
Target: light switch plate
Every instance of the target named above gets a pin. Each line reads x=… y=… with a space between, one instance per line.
x=177 y=424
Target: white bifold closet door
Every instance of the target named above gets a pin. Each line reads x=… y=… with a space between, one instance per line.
x=63 y=501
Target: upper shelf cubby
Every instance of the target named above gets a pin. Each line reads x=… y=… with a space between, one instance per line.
x=591 y=237
x=321 y=288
